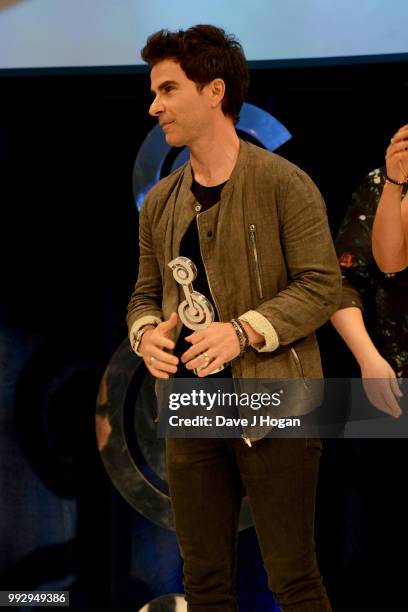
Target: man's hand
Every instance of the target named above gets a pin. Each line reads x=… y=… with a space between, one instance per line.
x=152 y=347
x=381 y=386
x=218 y=341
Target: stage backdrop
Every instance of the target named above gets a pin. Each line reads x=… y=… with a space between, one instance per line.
x=45 y=33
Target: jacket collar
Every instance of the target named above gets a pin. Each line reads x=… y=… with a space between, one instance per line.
x=184 y=211
x=185 y=189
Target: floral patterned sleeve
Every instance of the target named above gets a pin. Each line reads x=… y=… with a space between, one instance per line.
x=353 y=242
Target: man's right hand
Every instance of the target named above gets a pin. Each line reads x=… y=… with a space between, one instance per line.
x=153 y=347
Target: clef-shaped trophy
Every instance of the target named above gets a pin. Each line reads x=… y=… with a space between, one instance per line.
x=196 y=312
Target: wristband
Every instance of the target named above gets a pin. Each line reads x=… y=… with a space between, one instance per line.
x=138 y=337
x=242 y=335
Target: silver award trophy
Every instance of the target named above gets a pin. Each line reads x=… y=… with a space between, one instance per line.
x=196 y=312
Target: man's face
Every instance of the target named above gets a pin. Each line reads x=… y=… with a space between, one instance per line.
x=183 y=112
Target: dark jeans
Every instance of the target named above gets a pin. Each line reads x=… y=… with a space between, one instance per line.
x=279 y=475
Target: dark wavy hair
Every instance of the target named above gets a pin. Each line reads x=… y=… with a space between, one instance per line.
x=204 y=52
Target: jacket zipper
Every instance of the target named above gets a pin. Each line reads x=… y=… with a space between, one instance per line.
x=299 y=366
x=252 y=238
x=206 y=273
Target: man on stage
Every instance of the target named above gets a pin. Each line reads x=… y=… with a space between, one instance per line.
x=255 y=226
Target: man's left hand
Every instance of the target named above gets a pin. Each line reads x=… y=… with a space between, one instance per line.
x=211 y=347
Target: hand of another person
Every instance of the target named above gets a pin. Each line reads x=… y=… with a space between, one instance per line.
x=397 y=156
x=211 y=347
x=381 y=386
x=153 y=347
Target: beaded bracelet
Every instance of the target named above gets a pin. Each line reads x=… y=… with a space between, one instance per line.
x=242 y=335
x=400 y=183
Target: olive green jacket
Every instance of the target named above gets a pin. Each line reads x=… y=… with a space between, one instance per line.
x=268 y=254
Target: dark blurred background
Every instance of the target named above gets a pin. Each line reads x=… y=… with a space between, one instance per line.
x=69 y=253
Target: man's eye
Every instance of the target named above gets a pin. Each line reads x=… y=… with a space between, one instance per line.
x=168 y=88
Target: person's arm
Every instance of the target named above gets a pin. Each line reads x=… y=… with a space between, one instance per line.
x=144 y=306
x=379 y=379
x=144 y=309
x=314 y=290
x=390 y=229
x=353 y=245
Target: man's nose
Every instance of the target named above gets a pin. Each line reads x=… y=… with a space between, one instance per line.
x=156 y=107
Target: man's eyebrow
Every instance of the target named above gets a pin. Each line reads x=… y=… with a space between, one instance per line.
x=163 y=86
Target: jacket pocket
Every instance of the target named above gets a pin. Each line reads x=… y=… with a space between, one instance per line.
x=299 y=366
x=255 y=260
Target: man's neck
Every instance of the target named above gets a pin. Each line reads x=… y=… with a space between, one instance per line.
x=214 y=157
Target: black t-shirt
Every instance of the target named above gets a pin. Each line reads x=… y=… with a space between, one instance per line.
x=190 y=247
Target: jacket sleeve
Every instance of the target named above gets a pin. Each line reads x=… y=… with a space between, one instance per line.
x=314 y=289
x=145 y=305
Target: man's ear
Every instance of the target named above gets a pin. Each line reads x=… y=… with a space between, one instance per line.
x=217 y=90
